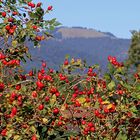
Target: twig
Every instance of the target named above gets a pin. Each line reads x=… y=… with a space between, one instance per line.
x=21 y=82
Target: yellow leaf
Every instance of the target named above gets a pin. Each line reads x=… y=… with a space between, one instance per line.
x=33 y=129
x=123 y=117
x=45 y=120
x=53 y=100
x=81 y=100
x=9 y=125
x=63 y=108
x=7 y=95
x=86 y=104
x=109 y=106
x=105 y=102
x=110 y=94
x=14 y=43
x=3 y=30
x=122 y=107
x=16 y=137
x=29 y=24
x=72 y=61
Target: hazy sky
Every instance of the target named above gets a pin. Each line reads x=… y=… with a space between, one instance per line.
x=115 y=16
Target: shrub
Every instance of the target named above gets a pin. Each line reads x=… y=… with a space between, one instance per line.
x=77 y=102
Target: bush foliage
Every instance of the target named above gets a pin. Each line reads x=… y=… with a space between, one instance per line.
x=77 y=102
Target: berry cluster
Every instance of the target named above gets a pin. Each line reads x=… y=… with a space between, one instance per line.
x=114 y=62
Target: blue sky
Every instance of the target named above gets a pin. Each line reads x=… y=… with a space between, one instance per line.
x=115 y=16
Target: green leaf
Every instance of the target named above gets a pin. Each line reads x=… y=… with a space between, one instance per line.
x=111 y=85
x=33 y=129
x=29 y=56
x=39 y=12
x=52 y=21
x=11 y=1
x=122 y=137
x=95 y=66
x=107 y=76
x=51 y=28
x=125 y=85
x=57 y=23
x=2 y=25
x=67 y=56
x=110 y=68
x=23 y=59
x=31 y=122
x=120 y=70
x=134 y=109
x=44 y=129
x=138 y=87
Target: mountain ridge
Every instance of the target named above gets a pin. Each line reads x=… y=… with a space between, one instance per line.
x=92 y=48
x=79 y=32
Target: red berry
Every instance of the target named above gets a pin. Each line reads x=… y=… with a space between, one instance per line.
x=4 y=62
x=86 y=129
x=53 y=90
x=83 y=122
x=55 y=111
x=2 y=86
x=14 y=27
x=34 y=27
x=38 y=38
x=19 y=98
x=106 y=110
x=60 y=123
x=57 y=94
x=43 y=64
x=94 y=74
x=10 y=19
x=31 y=73
x=14 y=111
x=90 y=124
x=3 y=14
x=129 y=114
x=51 y=70
x=50 y=8
x=11 y=31
x=14 y=13
x=34 y=94
x=77 y=104
x=3 y=132
x=32 y=5
x=85 y=132
x=90 y=69
x=97 y=113
x=17 y=62
x=7 y=27
x=39 y=4
x=2 y=56
x=47 y=98
x=40 y=76
x=66 y=62
x=18 y=87
x=29 y=3
x=13 y=95
x=40 y=85
x=92 y=129
x=41 y=107
x=109 y=58
x=34 y=137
